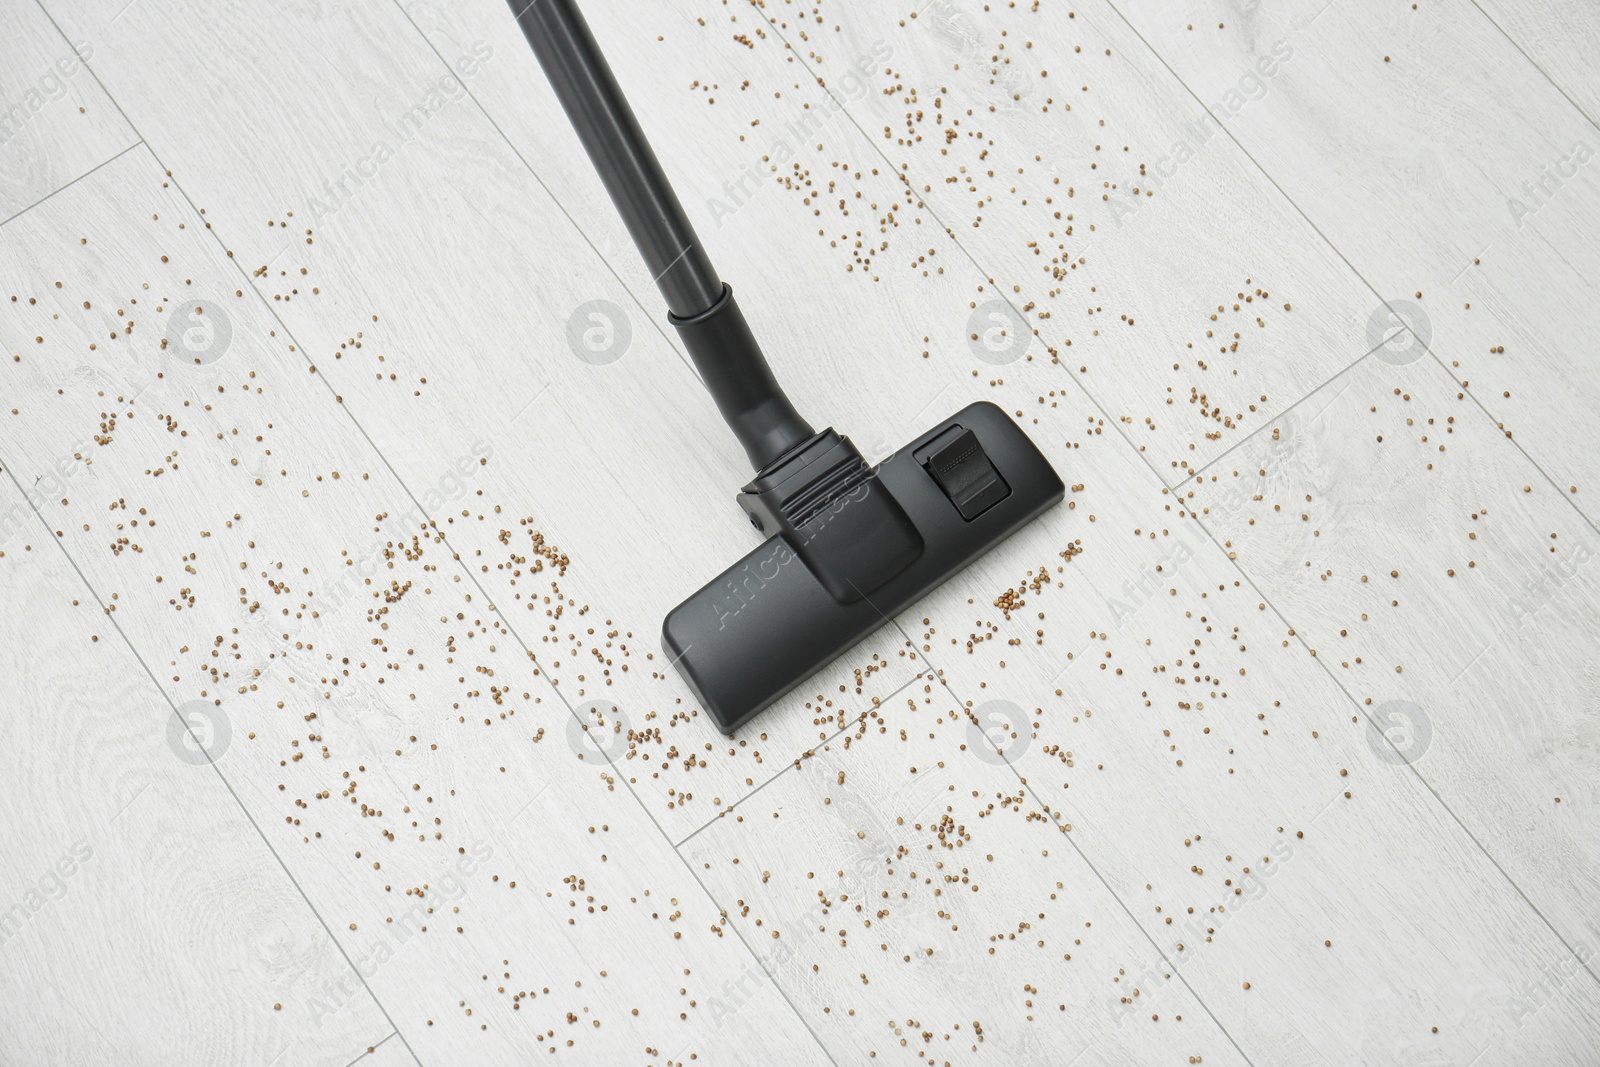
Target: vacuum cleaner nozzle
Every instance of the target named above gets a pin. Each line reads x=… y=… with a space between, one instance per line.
x=848 y=544
x=850 y=547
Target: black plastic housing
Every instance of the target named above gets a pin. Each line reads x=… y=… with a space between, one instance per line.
x=769 y=622
x=738 y=378
x=847 y=545
x=852 y=534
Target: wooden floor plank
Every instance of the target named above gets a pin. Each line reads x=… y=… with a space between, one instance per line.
x=387 y=1053
x=1445 y=586
x=403 y=569
x=421 y=779
x=1191 y=738
x=920 y=904
x=1386 y=1034
x=470 y=301
x=1171 y=716
x=143 y=918
x=1155 y=262
x=1440 y=162
x=56 y=123
x=1560 y=39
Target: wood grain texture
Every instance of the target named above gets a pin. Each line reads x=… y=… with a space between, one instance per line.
x=916 y=901
x=420 y=778
x=56 y=123
x=1151 y=257
x=1559 y=39
x=417 y=539
x=1170 y=715
x=1445 y=587
x=1456 y=1002
x=142 y=917
x=1439 y=161
x=453 y=201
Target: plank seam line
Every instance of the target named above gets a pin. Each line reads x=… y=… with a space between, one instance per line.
x=1300 y=638
x=1535 y=64
x=793 y=764
x=373 y=1049
x=350 y=414
x=132 y=648
x=1177 y=971
x=189 y=728
x=799 y=58
x=75 y=181
x=1199 y=472
x=1466 y=390
x=1093 y=400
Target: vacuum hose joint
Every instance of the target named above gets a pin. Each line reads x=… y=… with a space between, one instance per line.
x=737 y=376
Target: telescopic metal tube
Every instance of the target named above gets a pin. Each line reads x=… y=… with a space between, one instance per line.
x=600 y=114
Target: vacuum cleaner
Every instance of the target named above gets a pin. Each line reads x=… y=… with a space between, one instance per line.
x=848 y=545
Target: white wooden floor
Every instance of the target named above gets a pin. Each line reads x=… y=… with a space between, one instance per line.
x=336 y=727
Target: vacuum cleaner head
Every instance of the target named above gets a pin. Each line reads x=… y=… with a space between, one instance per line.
x=850 y=547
